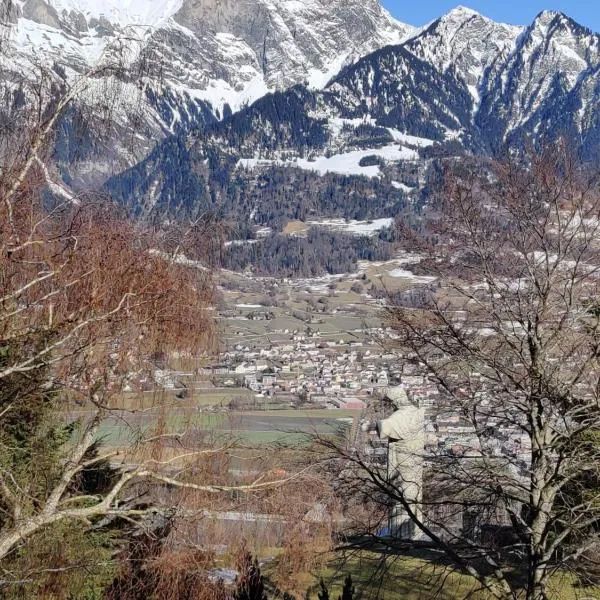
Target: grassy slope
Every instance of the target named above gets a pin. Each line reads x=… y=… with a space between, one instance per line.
x=407 y=578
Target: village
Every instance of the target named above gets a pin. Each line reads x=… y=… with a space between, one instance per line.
x=285 y=365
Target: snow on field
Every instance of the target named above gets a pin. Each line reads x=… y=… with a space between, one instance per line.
x=180 y=259
x=384 y=266
x=240 y=243
x=342 y=164
x=411 y=140
x=319 y=284
x=369 y=228
x=396 y=268
x=405 y=274
x=348 y=163
x=249 y=306
x=403 y=187
x=264 y=232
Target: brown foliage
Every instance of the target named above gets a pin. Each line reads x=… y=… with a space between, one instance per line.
x=91 y=282
x=153 y=571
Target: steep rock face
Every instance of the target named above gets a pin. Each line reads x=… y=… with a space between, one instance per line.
x=10 y=12
x=221 y=51
x=41 y=12
x=294 y=41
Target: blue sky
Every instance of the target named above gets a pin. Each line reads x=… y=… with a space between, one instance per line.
x=520 y=12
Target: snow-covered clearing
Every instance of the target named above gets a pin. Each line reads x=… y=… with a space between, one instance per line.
x=219 y=92
x=402 y=186
x=180 y=259
x=369 y=228
x=384 y=266
x=411 y=140
x=342 y=164
x=264 y=232
x=240 y=243
x=405 y=274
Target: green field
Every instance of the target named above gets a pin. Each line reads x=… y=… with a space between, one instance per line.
x=386 y=576
x=289 y=427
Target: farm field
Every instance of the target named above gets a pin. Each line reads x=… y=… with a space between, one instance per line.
x=285 y=427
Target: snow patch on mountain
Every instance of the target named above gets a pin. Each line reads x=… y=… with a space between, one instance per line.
x=400 y=273
x=411 y=140
x=367 y=228
x=124 y=13
x=347 y=163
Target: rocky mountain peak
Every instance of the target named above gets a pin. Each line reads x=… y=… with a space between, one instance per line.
x=293 y=41
x=547 y=17
x=466 y=42
x=41 y=12
x=555 y=43
x=461 y=13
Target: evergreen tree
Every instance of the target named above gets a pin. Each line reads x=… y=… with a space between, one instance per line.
x=348 y=591
x=323 y=594
x=65 y=559
x=250 y=584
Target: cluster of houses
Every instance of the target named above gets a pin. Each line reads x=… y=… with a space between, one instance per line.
x=307 y=368
x=304 y=368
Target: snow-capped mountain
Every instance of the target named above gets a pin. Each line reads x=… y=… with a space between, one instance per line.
x=548 y=85
x=539 y=80
x=291 y=41
x=221 y=51
x=200 y=59
x=298 y=83
x=465 y=43
x=464 y=83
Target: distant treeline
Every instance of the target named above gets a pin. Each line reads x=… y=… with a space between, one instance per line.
x=320 y=252
x=273 y=195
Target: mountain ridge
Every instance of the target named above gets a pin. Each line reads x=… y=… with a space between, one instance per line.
x=299 y=82
x=478 y=89
x=199 y=59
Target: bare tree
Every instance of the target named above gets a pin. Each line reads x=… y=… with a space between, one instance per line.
x=87 y=299
x=511 y=339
